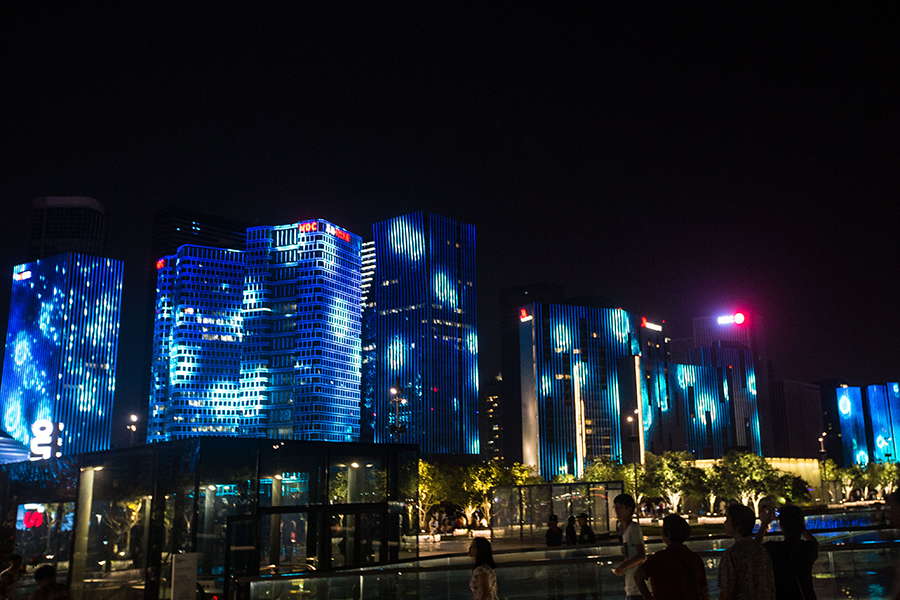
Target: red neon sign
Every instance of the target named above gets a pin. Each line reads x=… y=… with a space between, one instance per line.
x=308 y=226
x=160 y=264
x=33 y=518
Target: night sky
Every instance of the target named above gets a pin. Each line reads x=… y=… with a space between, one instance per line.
x=682 y=163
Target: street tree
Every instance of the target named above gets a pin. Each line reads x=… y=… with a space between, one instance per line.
x=747 y=477
x=671 y=475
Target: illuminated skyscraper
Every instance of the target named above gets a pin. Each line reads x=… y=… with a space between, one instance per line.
x=579 y=372
x=195 y=373
x=426 y=341
x=369 y=355
x=300 y=367
x=61 y=346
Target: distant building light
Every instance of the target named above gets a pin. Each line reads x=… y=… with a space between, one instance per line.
x=736 y=318
x=160 y=264
x=523 y=315
x=22 y=276
x=649 y=325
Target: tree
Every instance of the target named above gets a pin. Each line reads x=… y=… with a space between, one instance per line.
x=851 y=478
x=793 y=488
x=431 y=490
x=671 y=475
x=712 y=484
x=563 y=478
x=524 y=475
x=881 y=477
x=748 y=477
x=603 y=469
x=829 y=475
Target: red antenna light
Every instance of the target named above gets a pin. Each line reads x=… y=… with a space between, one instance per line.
x=738 y=318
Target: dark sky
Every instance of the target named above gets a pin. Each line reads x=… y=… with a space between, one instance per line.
x=682 y=163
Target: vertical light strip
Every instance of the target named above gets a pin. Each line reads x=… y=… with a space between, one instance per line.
x=638 y=386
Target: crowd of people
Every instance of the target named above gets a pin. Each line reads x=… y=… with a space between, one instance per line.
x=750 y=569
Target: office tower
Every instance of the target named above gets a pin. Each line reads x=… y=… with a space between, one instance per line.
x=300 y=366
x=195 y=372
x=173 y=227
x=368 y=307
x=797 y=419
x=720 y=399
x=662 y=417
x=489 y=420
x=66 y=224
x=61 y=344
x=844 y=414
x=426 y=337
x=748 y=330
x=579 y=369
x=507 y=414
x=883 y=401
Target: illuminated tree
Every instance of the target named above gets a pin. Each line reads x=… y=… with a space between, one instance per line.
x=851 y=478
x=747 y=477
x=431 y=489
x=672 y=475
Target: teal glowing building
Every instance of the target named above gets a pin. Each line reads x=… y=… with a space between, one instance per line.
x=198 y=329
x=422 y=342
x=300 y=366
x=59 y=370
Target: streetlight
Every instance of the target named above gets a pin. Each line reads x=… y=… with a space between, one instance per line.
x=132 y=428
x=633 y=438
x=396 y=399
x=822 y=455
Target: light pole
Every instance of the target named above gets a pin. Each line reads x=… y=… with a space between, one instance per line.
x=132 y=428
x=633 y=438
x=396 y=399
x=822 y=455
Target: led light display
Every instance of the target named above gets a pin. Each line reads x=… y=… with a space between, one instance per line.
x=61 y=346
x=198 y=331
x=573 y=362
x=424 y=341
x=300 y=367
x=853 y=426
x=884 y=442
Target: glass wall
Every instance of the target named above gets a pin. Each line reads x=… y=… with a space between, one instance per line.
x=522 y=512
x=112 y=521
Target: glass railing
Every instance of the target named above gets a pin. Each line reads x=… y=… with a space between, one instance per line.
x=857 y=570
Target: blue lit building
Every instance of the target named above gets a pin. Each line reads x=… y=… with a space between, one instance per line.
x=863 y=422
x=852 y=426
x=61 y=345
x=580 y=369
x=426 y=341
x=198 y=329
x=720 y=397
x=300 y=366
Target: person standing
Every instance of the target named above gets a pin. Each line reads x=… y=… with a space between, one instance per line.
x=555 y=579
x=10 y=576
x=484 y=581
x=675 y=573
x=585 y=533
x=632 y=543
x=793 y=558
x=571 y=534
x=48 y=589
x=745 y=569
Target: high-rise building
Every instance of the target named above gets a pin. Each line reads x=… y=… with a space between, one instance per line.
x=720 y=396
x=301 y=349
x=61 y=345
x=797 y=419
x=425 y=387
x=489 y=420
x=67 y=224
x=862 y=422
x=507 y=415
x=174 y=227
x=748 y=330
x=195 y=373
x=884 y=412
x=368 y=263
x=579 y=372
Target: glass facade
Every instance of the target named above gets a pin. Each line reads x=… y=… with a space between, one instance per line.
x=301 y=353
x=195 y=387
x=853 y=426
x=61 y=344
x=245 y=507
x=425 y=337
x=579 y=377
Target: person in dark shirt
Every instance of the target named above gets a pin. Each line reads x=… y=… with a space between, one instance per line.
x=675 y=573
x=793 y=558
x=571 y=534
x=585 y=533
x=554 y=533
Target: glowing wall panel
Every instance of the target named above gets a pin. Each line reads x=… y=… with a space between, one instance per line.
x=61 y=346
x=573 y=356
x=300 y=368
x=426 y=340
x=198 y=331
x=853 y=427
x=883 y=440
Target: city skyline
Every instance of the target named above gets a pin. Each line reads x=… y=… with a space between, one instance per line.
x=703 y=167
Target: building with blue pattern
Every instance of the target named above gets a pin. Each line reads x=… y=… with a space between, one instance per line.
x=425 y=345
x=59 y=370
x=260 y=343
x=198 y=328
